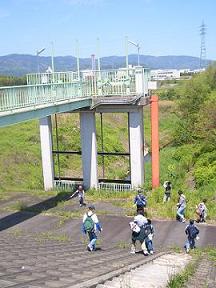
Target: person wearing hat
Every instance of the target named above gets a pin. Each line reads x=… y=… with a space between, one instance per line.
x=91 y=226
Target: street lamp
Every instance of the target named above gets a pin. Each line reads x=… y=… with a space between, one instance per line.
x=52 y=56
x=38 y=52
x=138 y=50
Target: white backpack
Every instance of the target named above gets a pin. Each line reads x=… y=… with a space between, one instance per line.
x=134 y=227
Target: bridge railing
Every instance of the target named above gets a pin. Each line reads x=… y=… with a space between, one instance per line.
x=18 y=97
x=48 y=78
x=62 y=86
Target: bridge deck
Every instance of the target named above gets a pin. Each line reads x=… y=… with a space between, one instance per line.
x=66 y=91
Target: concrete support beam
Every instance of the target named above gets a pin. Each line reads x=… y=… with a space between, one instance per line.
x=46 y=152
x=136 y=147
x=89 y=149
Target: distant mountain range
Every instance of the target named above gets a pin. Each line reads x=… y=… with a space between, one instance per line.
x=19 y=64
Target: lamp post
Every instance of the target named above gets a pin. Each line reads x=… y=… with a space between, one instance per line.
x=38 y=52
x=52 y=57
x=77 y=58
x=138 y=50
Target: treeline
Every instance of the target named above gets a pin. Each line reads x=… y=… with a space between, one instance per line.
x=12 y=80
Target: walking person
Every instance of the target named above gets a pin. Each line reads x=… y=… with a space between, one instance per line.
x=140 y=201
x=192 y=233
x=81 y=195
x=167 y=191
x=181 y=205
x=149 y=232
x=137 y=227
x=91 y=226
x=201 y=211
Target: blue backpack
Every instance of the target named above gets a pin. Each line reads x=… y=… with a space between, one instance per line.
x=192 y=231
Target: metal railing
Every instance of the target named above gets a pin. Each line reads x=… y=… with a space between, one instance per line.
x=47 y=78
x=65 y=185
x=114 y=186
x=68 y=185
x=47 y=88
x=18 y=97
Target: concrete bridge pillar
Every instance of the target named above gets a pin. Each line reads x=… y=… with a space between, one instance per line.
x=89 y=149
x=46 y=152
x=136 y=147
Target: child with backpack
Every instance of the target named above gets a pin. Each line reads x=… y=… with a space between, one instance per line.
x=81 y=195
x=90 y=226
x=192 y=233
x=140 y=201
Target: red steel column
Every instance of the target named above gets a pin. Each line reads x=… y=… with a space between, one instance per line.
x=155 y=141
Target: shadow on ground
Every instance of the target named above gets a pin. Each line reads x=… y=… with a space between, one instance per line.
x=26 y=213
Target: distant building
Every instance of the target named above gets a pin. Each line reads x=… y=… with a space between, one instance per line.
x=167 y=74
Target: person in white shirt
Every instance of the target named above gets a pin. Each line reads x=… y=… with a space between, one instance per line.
x=140 y=220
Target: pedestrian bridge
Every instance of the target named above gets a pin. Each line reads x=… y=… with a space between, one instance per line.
x=87 y=92
x=49 y=93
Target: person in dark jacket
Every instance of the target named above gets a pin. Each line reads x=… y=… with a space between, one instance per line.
x=149 y=232
x=167 y=191
x=192 y=233
x=140 y=201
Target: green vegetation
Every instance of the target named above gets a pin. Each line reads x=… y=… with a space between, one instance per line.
x=179 y=280
x=12 y=81
x=187 y=151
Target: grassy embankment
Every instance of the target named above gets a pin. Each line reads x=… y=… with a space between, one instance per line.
x=20 y=161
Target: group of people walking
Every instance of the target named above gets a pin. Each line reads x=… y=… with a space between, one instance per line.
x=201 y=209
x=141 y=226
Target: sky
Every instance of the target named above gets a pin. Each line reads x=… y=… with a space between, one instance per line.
x=161 y=27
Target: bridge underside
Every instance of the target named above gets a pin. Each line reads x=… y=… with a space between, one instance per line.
x=26 y=114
